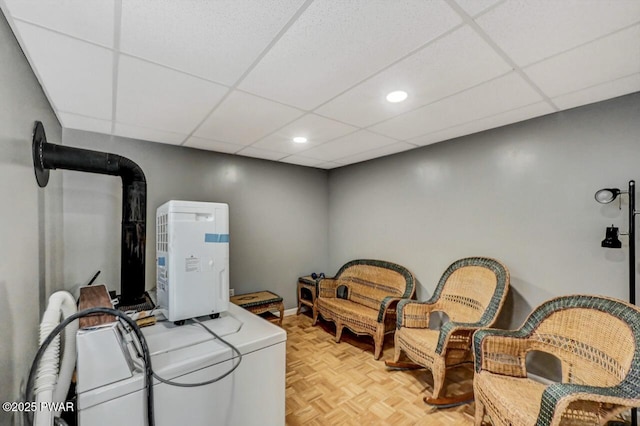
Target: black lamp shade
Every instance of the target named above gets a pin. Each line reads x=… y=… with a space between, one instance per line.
x=611 y=239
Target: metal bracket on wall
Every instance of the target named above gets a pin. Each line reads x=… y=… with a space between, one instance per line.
x=39 y=140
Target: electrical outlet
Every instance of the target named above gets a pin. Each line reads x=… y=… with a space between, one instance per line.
x=232 y=292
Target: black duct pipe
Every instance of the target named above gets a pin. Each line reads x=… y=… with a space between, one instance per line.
x=48 y=156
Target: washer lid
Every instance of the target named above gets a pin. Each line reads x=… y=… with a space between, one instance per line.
x=166 y=336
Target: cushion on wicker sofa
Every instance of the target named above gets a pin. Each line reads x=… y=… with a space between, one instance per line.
x=372 y=289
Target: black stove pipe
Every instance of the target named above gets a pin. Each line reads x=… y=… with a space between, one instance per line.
x=48 y=156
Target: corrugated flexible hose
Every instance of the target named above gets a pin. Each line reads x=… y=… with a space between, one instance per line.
x=54 y=374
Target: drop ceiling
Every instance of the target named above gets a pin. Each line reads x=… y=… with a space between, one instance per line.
x=246 y=76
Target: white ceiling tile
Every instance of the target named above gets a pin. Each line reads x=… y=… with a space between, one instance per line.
x=529 y=31
x=377 y=153
x=347 y=55
x=328 y=165
x=80 y=122
x=88 y=20
x=217 y=40
x=315 y=128
x=159 y=98
x=146 y=134
x=439 y=70
x=618 y=55
x=345 y=146
x=334 y=45
x=502 y=94
x=601 y=92
x=301 y=161
x=210 y=145
x=242 y=119
x=474 y=7
x=76 y=75
x=264 y=154
x=498 y=120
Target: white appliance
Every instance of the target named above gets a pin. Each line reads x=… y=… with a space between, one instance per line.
x=192 y=258
x=254 y=394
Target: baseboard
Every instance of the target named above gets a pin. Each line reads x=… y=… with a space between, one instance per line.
x=291 y=311
x=287 y=312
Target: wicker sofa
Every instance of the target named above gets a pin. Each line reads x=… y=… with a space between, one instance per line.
x=363 y=297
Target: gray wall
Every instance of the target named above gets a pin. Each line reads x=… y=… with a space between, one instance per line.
x=277 y=213
x=31 y=225
x=523 y=194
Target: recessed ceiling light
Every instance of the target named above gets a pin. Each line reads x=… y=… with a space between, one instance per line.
x=397 y=96
x=300 y=139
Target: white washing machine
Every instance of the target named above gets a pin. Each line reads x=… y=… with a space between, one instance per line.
x=112 y=393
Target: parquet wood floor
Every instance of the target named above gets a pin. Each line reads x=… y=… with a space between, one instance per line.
x=330 y=383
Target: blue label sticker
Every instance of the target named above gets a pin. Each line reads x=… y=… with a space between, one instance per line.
x=161 y=261
x=216 y=238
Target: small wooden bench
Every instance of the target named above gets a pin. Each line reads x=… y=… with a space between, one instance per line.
x=261 y=303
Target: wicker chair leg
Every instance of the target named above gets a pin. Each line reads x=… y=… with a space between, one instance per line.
x=438 y=373
x=438 y=370
x=339 y=328
x=378 y=342
x=397 y=350
x=315 y=316
x=479 y=413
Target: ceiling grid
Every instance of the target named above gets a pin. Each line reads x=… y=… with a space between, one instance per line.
x=245 y=77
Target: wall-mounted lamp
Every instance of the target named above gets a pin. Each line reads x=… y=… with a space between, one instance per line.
x=605 y=196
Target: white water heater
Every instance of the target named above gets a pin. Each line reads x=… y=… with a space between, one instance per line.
x=192 y=259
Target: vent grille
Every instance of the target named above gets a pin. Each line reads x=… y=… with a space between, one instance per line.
x=162 y=242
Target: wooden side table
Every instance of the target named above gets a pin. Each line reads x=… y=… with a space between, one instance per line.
x=308 y=296
x=261 y=303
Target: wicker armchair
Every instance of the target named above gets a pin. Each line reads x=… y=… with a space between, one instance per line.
x=363 y=297
x=596 y=340
x=471 y=292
